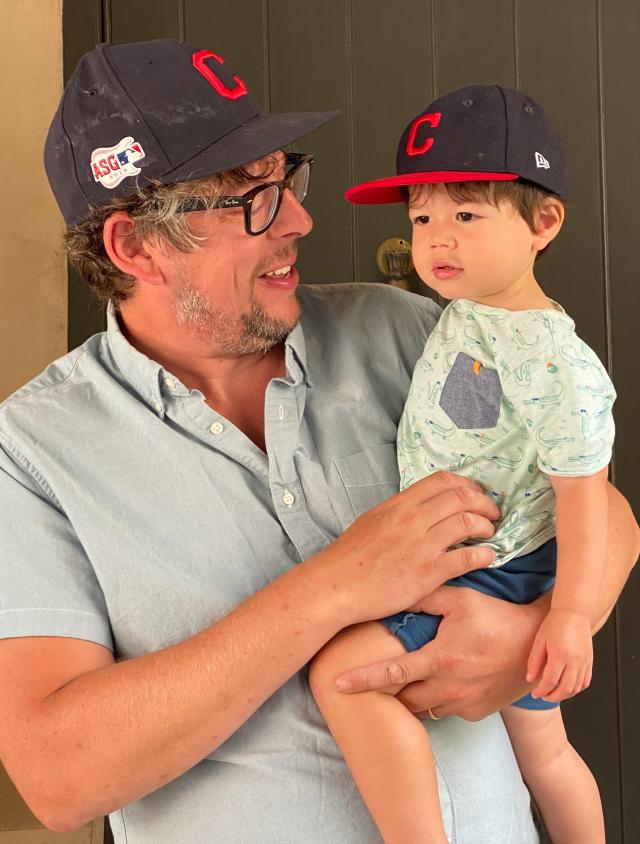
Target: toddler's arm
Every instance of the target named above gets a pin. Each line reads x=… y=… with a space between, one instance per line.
x=562 y=650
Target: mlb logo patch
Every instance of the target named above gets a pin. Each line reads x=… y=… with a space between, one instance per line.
x=110 y=165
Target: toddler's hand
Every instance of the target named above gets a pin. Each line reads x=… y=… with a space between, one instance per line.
x=563 y=653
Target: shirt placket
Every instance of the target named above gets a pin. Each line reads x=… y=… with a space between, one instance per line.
x=284 y=407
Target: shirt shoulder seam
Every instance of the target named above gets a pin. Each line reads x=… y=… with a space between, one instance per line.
x=37 y=476
x=19 y=395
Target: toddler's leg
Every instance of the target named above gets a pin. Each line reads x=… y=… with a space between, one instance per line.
x=385 y=746
x=560 y=781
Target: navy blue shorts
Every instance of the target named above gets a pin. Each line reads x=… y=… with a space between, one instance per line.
x=520 y=581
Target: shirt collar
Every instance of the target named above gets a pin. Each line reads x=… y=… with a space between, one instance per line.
x=145 y=375
x=296 y=356
x=153 y=382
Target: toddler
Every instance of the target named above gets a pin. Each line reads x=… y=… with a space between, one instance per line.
x=506 y=393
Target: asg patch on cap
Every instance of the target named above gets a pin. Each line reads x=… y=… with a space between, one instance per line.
x=110 y=165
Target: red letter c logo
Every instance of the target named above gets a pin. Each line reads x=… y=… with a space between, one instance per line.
x=229 y=93
x=433 y=120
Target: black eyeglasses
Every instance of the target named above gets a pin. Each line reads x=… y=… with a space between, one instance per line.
x=262 y=203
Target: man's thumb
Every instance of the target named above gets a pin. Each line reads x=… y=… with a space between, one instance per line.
x=440 y=602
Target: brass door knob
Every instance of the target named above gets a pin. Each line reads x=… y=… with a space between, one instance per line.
x=394 y=261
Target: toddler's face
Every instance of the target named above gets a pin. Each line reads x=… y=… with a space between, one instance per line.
x=471 y=250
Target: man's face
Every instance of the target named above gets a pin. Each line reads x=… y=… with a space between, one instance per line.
x=237 y=293
x=471 y=250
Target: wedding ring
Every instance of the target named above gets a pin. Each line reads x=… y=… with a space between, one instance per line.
x=432 y=716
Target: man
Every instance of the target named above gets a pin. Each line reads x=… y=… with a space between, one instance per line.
x=198 y=499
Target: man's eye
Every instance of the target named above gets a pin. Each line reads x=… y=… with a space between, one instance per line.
x=465 y=216
x=420 y=220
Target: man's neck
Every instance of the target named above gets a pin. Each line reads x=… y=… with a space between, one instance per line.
x=233 y=385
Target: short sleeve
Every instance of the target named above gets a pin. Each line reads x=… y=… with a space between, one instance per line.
x=564 y=397
x=49 y=587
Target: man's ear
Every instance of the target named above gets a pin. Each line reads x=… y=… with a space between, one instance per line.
x=128 y=252
x=548 y=222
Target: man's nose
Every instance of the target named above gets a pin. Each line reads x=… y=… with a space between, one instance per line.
x=292 y=219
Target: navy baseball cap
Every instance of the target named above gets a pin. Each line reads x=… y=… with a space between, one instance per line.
x=477 y=133
x=137 y=113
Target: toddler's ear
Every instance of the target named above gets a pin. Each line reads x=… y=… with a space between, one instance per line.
x=548 y=222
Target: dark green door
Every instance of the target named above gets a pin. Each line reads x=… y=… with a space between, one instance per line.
x=379 y=62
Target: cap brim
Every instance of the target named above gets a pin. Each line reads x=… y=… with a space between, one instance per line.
x=259 y=136
x=382 y=191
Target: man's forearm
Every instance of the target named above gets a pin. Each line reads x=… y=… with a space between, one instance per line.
x=623 y=548
x=117 y=733
x=123 y=730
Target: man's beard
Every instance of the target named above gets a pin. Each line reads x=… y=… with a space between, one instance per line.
x=254 y=332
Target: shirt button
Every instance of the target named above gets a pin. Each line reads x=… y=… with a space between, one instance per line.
x=158 y=406
x=170 y=383
x=288 y=498
x=217 y=428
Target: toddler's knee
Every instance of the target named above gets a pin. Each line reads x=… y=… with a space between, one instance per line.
x=323 y=671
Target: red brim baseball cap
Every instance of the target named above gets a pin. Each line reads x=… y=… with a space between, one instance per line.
x=383 y=191
x=477 y=133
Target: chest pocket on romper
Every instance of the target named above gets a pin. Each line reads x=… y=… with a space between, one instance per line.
x=472 y=394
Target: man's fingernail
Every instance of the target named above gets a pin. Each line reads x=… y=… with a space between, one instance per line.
x=343 y=685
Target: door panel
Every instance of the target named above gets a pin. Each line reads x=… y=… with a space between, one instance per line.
x=133 y=21
x=245 y=47
x=474 y=43
x=384 y=57
x=310 y=36
x=619 y=27
x=575 y=271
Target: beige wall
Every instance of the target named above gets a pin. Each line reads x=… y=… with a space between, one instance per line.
x=33 y=280
x=33 y=296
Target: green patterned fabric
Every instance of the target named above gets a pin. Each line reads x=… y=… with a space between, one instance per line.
x=508 y=398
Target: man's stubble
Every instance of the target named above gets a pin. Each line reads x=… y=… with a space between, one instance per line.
x=253 y=332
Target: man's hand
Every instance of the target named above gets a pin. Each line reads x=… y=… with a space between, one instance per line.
x=475 y=666
x=397 y=552
x=563 y=654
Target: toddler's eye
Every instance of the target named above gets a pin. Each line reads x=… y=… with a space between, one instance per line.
x=465 y=216
x=420 y=220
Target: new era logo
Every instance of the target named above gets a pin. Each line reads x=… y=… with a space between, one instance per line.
x=541 y=161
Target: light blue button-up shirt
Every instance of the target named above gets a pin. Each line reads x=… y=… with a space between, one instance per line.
x=134 y=515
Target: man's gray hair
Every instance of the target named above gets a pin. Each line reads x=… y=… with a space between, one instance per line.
x=156 y=217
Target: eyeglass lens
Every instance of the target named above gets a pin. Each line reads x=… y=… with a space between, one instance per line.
x=265 y=203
